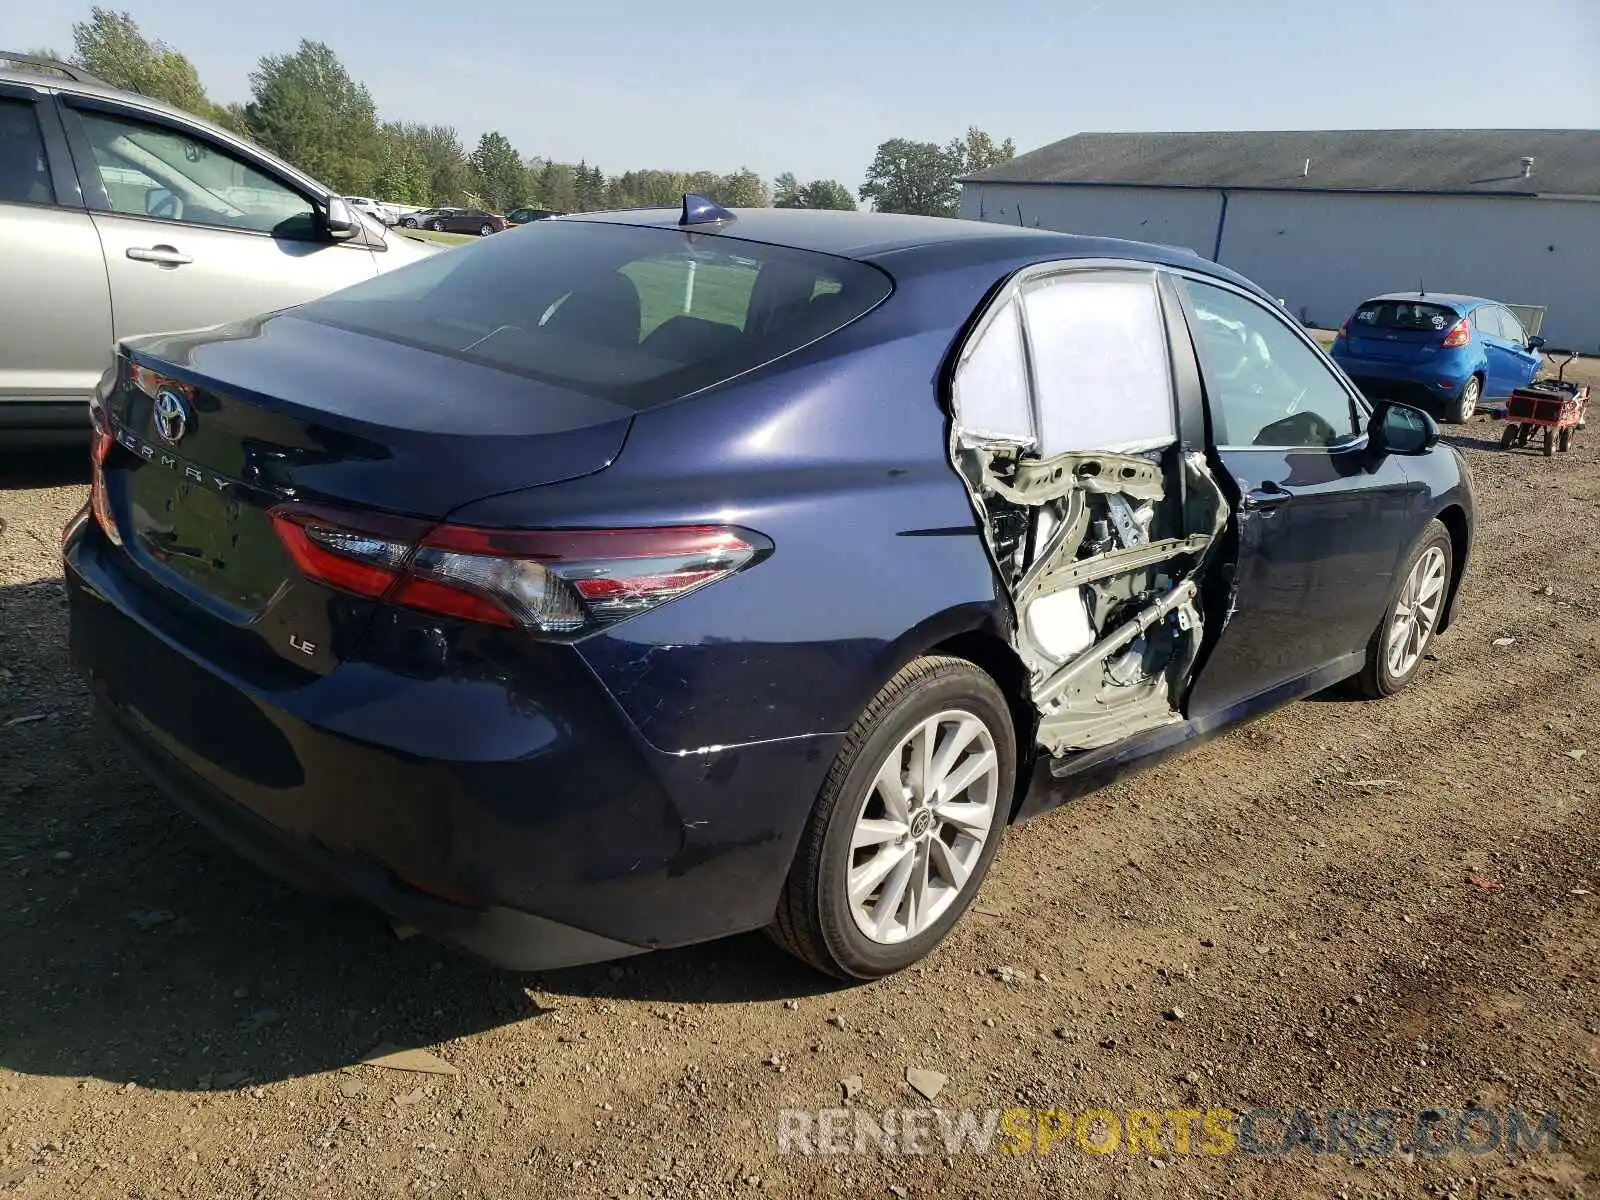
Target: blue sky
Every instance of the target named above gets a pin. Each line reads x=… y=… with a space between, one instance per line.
x=813 y=87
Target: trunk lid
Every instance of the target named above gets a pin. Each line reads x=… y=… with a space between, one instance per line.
x=217 y=427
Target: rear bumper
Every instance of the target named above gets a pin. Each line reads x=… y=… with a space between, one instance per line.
x=1431 y=382
x=501 y=936
x=524 y=821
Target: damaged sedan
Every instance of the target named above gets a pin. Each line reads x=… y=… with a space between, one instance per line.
x=646 y=578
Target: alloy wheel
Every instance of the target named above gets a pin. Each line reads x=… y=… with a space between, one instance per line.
x=1416 y=612
x=922 y=826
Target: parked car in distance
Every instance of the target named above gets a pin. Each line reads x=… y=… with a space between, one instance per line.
x=521 y=216
x=376 y=209
x=665 y=575
x=125 y=216
x=1450 y=353
x=419 y=218
x=456 y=220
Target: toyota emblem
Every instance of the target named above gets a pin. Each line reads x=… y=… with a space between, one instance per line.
x=171 y=416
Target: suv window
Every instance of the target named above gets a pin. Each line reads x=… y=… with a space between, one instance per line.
x=1264 y=385
x=24 y=175
x=611 y=310
x=153 y=171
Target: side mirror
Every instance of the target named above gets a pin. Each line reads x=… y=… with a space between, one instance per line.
x=1536 y=342
x=1400 y=429
x=341 y=221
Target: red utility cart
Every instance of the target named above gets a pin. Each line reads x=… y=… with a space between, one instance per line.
x=1557 y=406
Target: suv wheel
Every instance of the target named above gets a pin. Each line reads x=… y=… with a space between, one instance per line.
x=906 y=825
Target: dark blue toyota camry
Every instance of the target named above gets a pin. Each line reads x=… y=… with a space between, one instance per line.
x=630 y=580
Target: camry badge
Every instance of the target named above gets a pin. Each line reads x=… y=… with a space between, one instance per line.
x=171 y=416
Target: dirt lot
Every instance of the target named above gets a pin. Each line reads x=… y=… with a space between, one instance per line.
x=1369 y=905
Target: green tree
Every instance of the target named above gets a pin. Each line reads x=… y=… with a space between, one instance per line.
x=443 y=163
x=788 y=192
x=498 y=172
x=914 y=177
x=306 y=108
x=111 y=45
x=589 y=184
x=742 y=189
x=557 y=187
x=978 y=151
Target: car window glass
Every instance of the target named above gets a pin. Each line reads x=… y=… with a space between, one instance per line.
x=716 y=289
x=991 y=382
x=637 y=315
x=1510 y=327
x=1265 y=386
x=153 y=171
x=1402 y=315
x=24 y=175
x=1099 y=348
x=1487 y=319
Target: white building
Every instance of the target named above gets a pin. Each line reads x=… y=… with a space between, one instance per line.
x=1326 y=219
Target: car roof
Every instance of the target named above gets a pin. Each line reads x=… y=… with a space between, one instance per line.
x=873 y=236
x=1447 y=298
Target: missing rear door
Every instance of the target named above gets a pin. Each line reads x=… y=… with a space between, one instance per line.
x=1098 y=519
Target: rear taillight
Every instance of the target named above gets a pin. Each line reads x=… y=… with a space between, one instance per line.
x=558 y=582
x=1460 y=334
x=100 y=447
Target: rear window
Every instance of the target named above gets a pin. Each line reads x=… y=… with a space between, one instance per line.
x=1404 y=315
x=632 y=314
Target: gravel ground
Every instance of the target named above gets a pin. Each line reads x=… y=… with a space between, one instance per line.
x=1345 y=903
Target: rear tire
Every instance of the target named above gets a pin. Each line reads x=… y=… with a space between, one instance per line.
x=436 y=226
x=485 y=229
x=1406 y=631
x=876 y=785
x=1460 y=410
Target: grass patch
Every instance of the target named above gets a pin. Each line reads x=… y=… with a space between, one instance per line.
x=428 y=235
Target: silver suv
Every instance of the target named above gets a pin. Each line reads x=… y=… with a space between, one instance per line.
x=120 y=215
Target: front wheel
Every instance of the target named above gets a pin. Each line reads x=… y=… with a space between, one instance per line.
x=1396 y=649
x=1508 y=438
x=1466 y=402
x=436 y=226
x=906 y=825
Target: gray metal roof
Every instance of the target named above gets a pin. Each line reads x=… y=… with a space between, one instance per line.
x=1459 y=161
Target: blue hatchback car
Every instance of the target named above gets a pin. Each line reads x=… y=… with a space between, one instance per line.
x=1451 y=353
x=632 y=580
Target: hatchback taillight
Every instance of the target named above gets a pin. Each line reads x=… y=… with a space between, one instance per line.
x=550 y=581
x=1460 y=334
